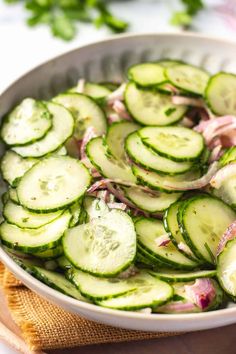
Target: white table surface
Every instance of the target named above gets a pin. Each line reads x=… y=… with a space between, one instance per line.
x=22 y=48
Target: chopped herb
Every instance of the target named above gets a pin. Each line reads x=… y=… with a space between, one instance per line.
x=62 y=16
x=169 y=111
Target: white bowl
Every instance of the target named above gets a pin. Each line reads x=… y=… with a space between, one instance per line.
x=108 y=60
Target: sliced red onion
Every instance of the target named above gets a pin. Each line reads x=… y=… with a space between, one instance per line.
x=121 y=110
x=177 y=307
x=216 y=153
x=113 y=117
x=202 y=292
x=118 y=94
x=228 y=140
x=197 y=183
x=115 y=205
x=171 y=88
x=188 y=101
x=216 y=127
x=103 y=182
x=93 y=171
x=229 y=234
x=104 y=195
x=183 y=247
x=119 y=194
x=224 y=173
x=162 y=240
x=80 y=86
x=88 y=135
x=214 y=123
x=187 y=122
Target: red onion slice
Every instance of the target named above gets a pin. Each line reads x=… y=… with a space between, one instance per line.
x=223 y=174
x=162 y=240
x=103 y=183
x=216 y=153
x=229 y=234
x=121 y=110
x=118 y=94
x=197 y=184
x=113 y=117
x=115 y=205
x=202 y=292
x=88 y=135
x=80 y=86
x=188 y=101
x=177 y=307
x=216 y=127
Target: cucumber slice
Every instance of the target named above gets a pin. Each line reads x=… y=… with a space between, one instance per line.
x=62 y=129
x=75 y=211
x=13 y=167
x=148 y=232
x=171 y=226
x=151 y=107
x=53 y=184
x=63 y=263
x=188 y=78
x=156 y=263
x=93 y=90
x=28 y=122
x=145 y=262
x=96 y=90
x=58 y=282
x=13 y=195
x=115 y=138
x=61 y=151
x=175 y=143
x=147 y=74
x=105 y=164
x=226 y=268
x=220 y=94
x=175 y=276
x=227 y=191
x=202 y=221
x=5 y=197
x=104 y=288
x=50 y=253
x=94 y=207
x=228 y=156
x=158 y=182
x=35 y=240
x=23 y=218
x=150 y=160
x=86 y=113
x=103 y=247
x=155 y=293
x=149 y=202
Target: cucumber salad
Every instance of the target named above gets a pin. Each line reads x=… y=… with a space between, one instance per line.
x=124 y=194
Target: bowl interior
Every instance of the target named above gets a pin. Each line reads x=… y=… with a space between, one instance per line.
x=108 y=61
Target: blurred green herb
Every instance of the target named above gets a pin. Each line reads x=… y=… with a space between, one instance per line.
x=184 y=18
x=62 y=15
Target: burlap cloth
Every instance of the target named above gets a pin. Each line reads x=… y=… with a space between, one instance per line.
x=46 y=326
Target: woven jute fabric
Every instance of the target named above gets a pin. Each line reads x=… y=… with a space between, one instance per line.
x=46 y=326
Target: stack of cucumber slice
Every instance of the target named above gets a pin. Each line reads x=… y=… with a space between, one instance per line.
x=125 y=216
